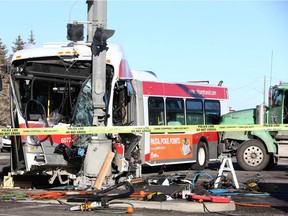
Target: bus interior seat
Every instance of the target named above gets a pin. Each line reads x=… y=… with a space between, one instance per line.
x=174 y=123
x=180 y=118
x=33 y=111
x=195 y=119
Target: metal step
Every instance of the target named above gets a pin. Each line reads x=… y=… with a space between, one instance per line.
x=282 y=135
x=282 y=148
x=52 y=158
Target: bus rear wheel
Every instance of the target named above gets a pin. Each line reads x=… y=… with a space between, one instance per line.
x=202 y=157
x=252 y=155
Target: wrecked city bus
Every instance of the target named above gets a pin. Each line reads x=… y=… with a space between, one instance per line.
x=51 y=87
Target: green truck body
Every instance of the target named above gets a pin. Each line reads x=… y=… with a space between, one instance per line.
x=258 y=150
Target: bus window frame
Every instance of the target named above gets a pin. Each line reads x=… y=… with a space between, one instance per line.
x=162 y=111
x=204 y=111
x=194 y=111
x=178 y=109
x=216 y=116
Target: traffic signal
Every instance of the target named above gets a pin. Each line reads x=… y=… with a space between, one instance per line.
x=75 y=32
x=101 y=35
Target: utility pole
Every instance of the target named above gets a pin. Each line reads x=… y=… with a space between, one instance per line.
x=271 y=70
x=99 y=46
x=90 y=5
x=264 y=93
x=100 y=146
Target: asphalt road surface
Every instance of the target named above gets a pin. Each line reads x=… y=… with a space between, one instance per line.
x=271 y=198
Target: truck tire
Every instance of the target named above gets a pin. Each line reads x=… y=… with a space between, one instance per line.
x=202 y=157
x=272 y=163
x=252 y=156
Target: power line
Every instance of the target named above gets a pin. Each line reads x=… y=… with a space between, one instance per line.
x=247 y=85
x=71 y=9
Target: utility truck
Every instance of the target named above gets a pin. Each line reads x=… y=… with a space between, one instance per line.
x=259 y=150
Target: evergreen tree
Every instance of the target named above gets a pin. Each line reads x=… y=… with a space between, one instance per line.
x=18 y=44
x=31 y=39
x=3 y=53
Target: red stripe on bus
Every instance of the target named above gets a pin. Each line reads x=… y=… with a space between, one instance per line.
x=209 y=136
x=57 y=138
x=184 y=90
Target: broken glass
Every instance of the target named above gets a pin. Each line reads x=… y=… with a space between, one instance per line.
x=83 y=115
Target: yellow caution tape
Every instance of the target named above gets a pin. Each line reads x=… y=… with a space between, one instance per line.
x=140 y=129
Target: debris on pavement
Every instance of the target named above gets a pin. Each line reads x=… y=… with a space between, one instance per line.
x=161 y=188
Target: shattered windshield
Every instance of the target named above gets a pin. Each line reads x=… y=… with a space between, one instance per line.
x=83 y=113
x=84 y=109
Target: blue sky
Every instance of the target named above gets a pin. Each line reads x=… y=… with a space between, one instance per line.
x=231 y=41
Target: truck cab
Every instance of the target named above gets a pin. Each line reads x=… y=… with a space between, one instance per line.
x=278 y=104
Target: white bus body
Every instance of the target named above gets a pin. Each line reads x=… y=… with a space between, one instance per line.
x=51 y=87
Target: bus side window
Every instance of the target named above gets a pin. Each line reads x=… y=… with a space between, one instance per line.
x=175 y=111
x=195 y=119
x=194 y=109
x=174 y=123
x=156 y=110
x=212 y=112
x=212 y=118
x=180 y=118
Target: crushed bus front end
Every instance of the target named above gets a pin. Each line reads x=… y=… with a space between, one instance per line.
x=52 y=87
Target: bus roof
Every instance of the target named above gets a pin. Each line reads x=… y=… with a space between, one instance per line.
x=144 y=75
x=80 y=51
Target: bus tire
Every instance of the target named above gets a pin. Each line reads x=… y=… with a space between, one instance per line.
x=202 y=157
x=252 y=155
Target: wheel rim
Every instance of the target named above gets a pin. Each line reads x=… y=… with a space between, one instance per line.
x=253 y=156
x=201 y=156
